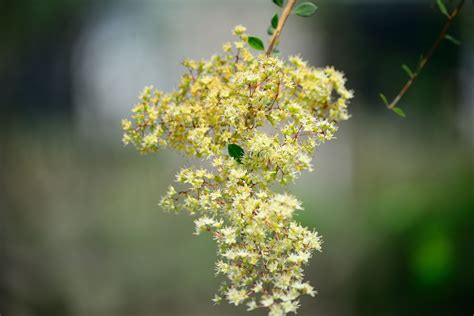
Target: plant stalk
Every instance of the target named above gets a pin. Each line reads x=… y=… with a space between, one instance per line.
x=281 y=22
x=428 y=55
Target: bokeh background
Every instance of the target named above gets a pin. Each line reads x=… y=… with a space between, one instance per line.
x=80 y=229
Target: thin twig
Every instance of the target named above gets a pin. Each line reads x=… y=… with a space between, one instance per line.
x=428 y=55
x=281 y=22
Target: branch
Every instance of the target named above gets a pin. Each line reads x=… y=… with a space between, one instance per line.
x=281 y=22
x=428 y=55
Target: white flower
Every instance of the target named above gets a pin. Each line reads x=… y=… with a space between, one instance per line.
x=235 y=296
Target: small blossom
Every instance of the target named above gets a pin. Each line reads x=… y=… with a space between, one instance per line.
x=206 y=224
x=267 y=301
x=217 y=299
x=235 y=296
x=251 y=305
x=239 y=30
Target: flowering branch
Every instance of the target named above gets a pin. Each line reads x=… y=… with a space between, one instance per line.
x=281 y=22
x=229 y=103
x=225 y=103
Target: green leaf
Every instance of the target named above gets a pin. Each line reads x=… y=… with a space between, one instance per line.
x=399 y=111
x=452 y=39
x=305 y=9
x=384 y=99
x=442 y=7
x=278 y=3
x=236 y=152
x=256 y=43
x=408 y=71
x=276 y=51
x=270 y=30
x=275 y=21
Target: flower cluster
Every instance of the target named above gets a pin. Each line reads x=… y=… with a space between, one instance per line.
x=277 y=112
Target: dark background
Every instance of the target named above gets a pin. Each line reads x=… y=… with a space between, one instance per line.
x=81 y=232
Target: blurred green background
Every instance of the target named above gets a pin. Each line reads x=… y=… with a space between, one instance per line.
x=81 y=232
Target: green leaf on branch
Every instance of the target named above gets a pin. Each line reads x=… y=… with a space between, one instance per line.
x=408 y=71
x=305 y=9
x=278 y=3
x=452 y=39
x=442 y=7
x=384 y=99
x=275 y=21
x=276 y=52
x=399 y=111
x=236 y=152
x=270 y=30
x=256 y=43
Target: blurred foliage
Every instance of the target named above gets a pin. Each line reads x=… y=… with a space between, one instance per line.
x=82 y=235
